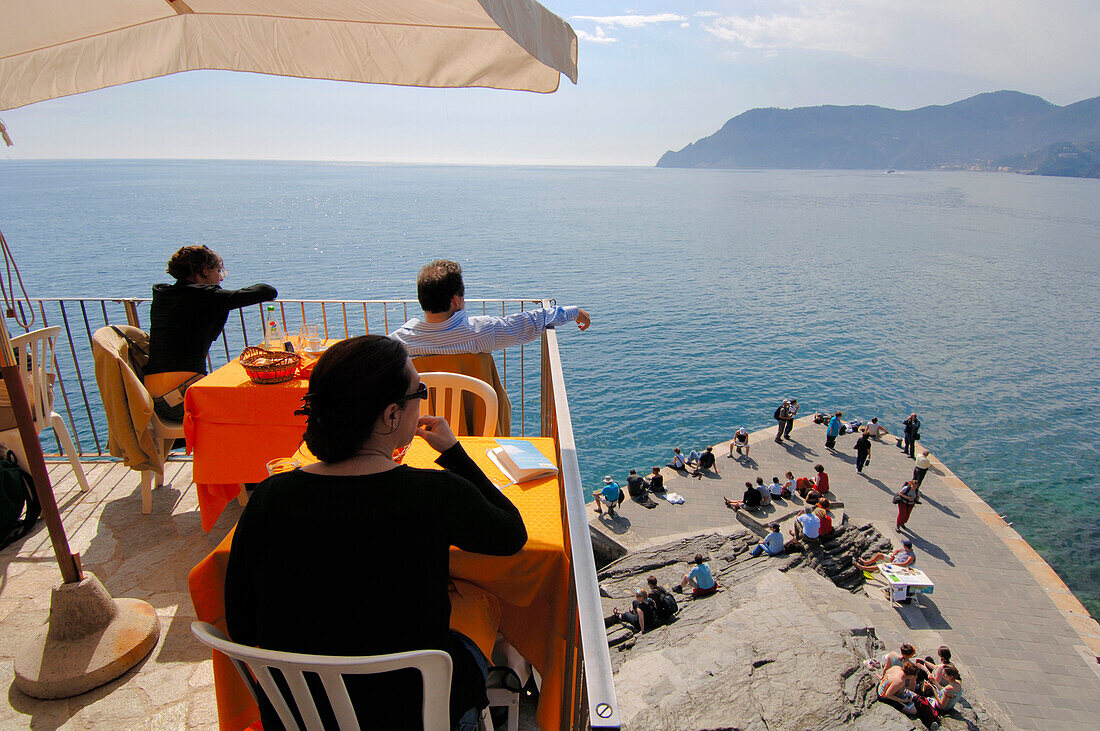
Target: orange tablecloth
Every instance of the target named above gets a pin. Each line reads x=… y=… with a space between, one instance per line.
x=233 y=427
x=532 y=587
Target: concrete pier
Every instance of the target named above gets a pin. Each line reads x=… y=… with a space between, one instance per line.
x=1026 y=646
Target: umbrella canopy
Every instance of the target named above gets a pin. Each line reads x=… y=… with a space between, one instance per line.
x=53 y=48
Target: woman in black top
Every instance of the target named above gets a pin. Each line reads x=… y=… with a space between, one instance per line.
x=185 y=318
x=316 y=548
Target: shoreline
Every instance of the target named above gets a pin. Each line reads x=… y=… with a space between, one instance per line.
x=1004 y=612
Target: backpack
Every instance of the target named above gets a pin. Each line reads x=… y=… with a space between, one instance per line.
x=666 y=606
x=16 y=494
x=778 y=415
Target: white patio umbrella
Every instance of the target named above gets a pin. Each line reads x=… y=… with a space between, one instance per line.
x=53 y=48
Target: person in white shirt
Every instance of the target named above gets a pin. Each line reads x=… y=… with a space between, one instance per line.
x=678 y=462
x=776 y=489
x=920 y=469
x=447 y=329
x=740 y=442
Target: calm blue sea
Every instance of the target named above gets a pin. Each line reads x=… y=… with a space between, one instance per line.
x=970 y=298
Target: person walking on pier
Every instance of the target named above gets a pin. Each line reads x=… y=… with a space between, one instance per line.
x=921 y=468
x=863 y=451
x=906 y=498
x=833 y=431
x=781 y=414
x=912 y=435
x=792 y=412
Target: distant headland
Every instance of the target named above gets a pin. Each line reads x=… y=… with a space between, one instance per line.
x=1004 y=131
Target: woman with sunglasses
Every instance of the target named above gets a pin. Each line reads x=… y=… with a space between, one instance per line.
x=314 y=544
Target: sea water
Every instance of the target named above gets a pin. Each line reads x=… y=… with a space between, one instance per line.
x=969 y=298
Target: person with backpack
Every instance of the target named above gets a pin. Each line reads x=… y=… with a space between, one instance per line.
x=610 y=495
x=663 y=599
x=781 y=415
x=792 y=412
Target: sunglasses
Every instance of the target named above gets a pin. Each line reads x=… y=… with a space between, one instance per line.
x=421 y=393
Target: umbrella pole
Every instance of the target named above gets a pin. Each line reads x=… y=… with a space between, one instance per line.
x=68 y=562
x=89 y=638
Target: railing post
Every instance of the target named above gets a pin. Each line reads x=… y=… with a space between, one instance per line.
x=131 y=313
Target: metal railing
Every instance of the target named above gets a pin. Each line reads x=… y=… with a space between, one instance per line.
x=589 y=700
x=80 y=317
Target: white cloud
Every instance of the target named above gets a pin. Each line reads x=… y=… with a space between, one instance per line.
x=598 y=37
x=685 y=25
x=631 y=21
x=706 y=14
x=1028 y=44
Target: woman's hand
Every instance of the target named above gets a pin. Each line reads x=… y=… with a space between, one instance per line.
x=436 y=432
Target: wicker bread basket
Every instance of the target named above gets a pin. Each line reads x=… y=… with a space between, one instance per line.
x=269 y=366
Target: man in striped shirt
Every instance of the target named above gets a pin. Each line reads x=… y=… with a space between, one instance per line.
x=447 y=329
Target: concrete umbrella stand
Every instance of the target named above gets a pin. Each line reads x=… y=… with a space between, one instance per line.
x=89 y=637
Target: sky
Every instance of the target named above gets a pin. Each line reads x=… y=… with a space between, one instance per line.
x=653 y=76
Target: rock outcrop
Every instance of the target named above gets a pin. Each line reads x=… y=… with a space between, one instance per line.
x=778 y=647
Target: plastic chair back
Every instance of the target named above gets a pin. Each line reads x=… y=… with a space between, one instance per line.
x=252 y=662
x=35 y=361
x=445 y=399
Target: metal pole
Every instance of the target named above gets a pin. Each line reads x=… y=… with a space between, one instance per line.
x=68 y=562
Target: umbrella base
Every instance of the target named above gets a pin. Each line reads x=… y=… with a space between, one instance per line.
x=88 y=640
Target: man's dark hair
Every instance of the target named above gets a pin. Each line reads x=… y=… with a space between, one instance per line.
x=698 y=558
x=350 y=387
x=652 y=581
x=437 y=284
x=633 y=472
x=759 y=480
x=819 y=467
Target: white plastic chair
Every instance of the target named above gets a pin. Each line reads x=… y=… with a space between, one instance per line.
x=445 y=399
x=434 y=667
x=35 y=359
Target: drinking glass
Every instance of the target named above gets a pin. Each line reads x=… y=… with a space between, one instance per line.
x=281 y=464
x=309 y=338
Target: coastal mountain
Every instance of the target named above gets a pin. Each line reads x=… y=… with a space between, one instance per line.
x=998 y=130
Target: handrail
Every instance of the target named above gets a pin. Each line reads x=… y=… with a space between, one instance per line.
x=82 y=316
x=593 y=664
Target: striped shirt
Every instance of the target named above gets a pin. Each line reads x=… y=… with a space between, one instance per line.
x=463 y=333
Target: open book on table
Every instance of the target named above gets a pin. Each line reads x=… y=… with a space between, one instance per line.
x=520 y=460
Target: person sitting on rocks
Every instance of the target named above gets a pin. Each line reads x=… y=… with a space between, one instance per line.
x=806 y=525
x=740 y=442
x=821 y=481
x=765 y=493
x=813 y=497
x=933 y=668
x=772 y=543
x=790 y=486
x=775 y=488
x=802 y=486
x=699 y=578
x=643 y=614
x=895 y=689
x=663 y=599
x=706 y=462
x=656 y=481
x=825 y=520
x=944 y=695
x=636 y=487
x=678 y=462
x=751 y=499
x=892 y=659
x=608 y=495
x=903 y=556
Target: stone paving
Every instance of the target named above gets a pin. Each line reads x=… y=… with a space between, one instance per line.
x=1010 y=621
x=138 y=556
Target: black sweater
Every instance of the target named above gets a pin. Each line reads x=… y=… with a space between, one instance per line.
x=359 y=565
x=185 y=318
